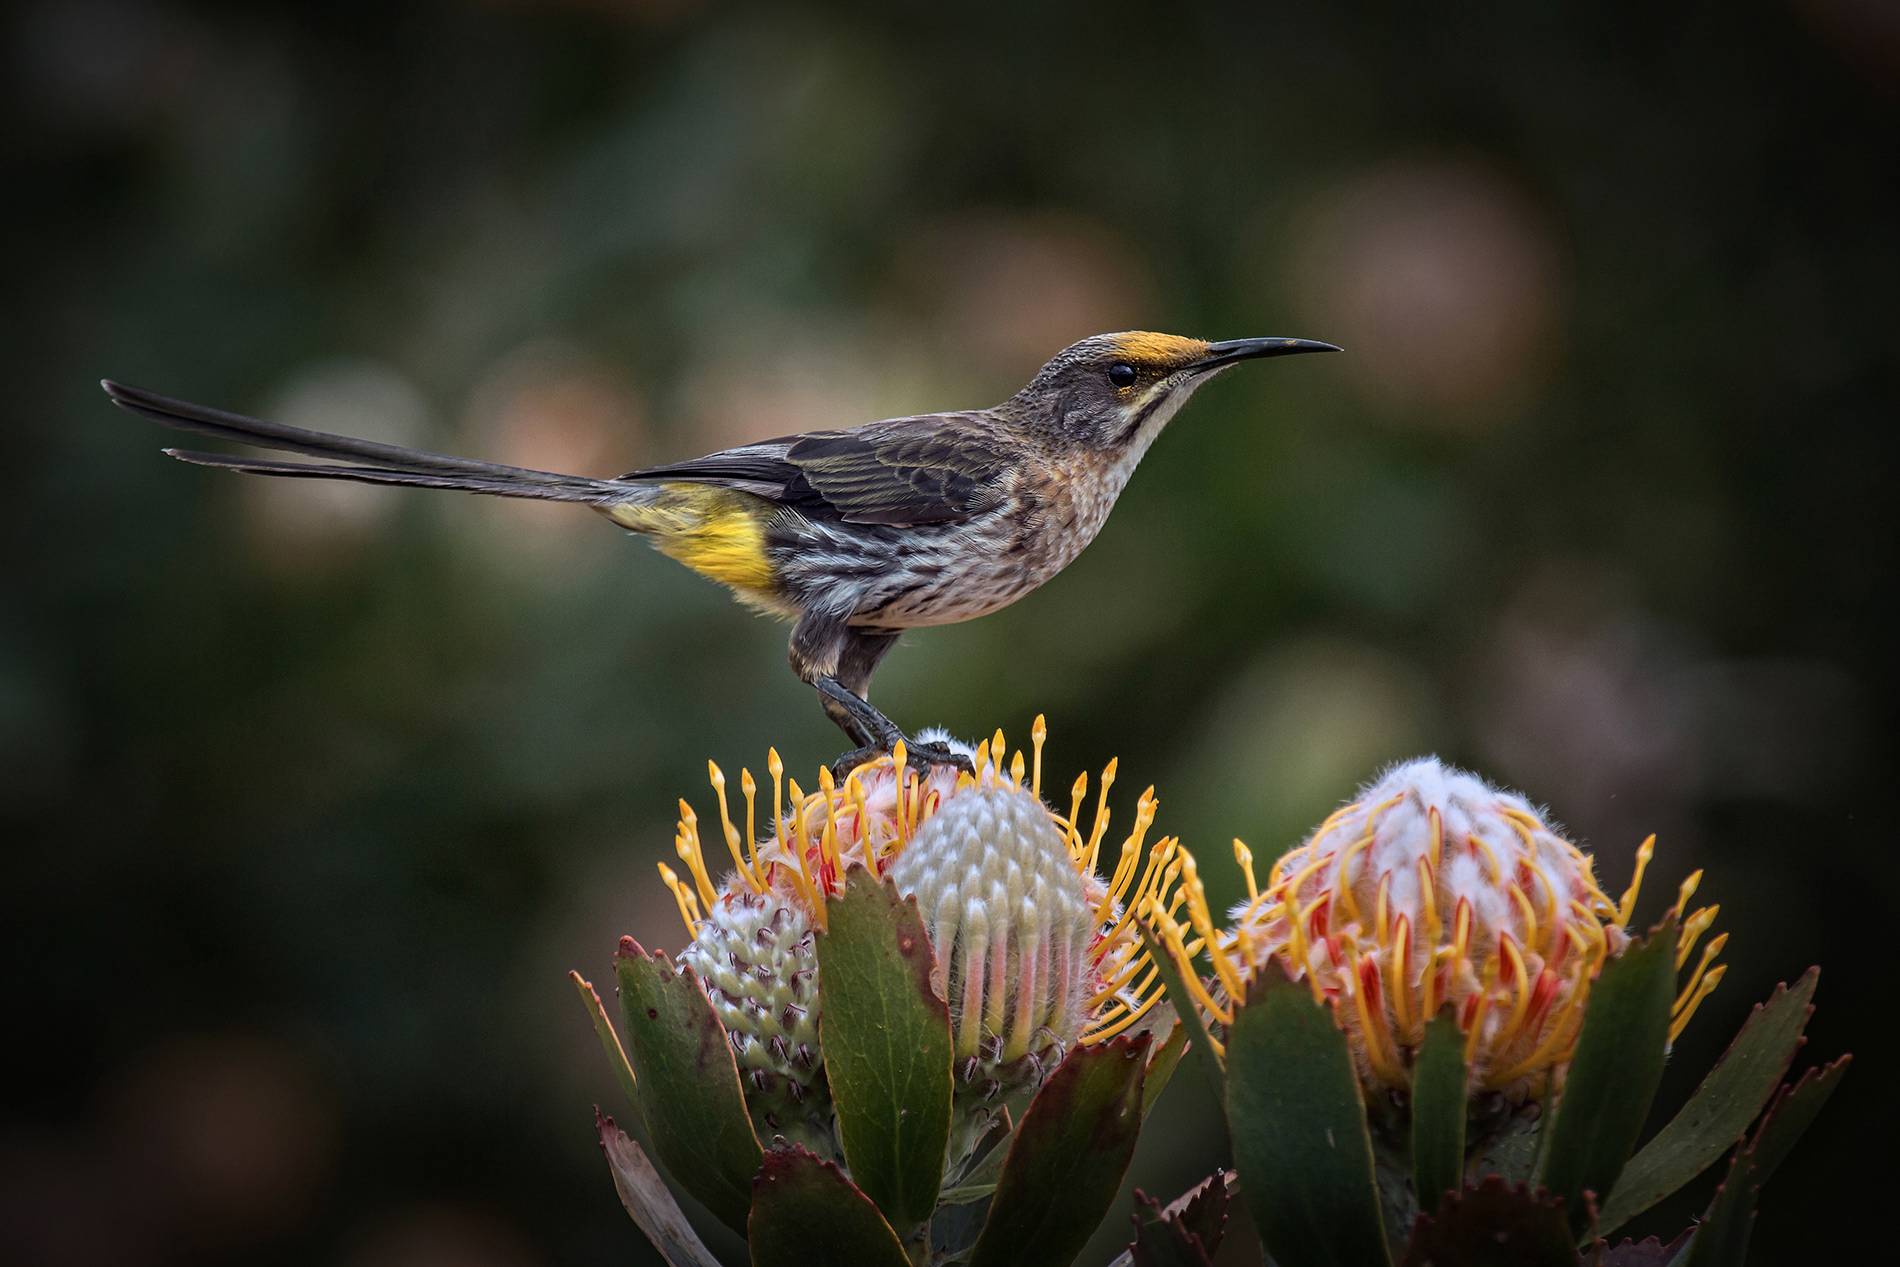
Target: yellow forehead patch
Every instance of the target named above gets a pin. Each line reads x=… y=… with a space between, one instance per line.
x=1161 y=351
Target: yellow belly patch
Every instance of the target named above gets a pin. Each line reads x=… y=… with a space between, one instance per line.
x=717 y=532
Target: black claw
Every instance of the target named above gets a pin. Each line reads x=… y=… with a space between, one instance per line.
x=841 y=768
x=916 y=756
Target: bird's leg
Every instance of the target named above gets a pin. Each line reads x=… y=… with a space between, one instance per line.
x=856 y=718
x=853 y=655
x=864 y=725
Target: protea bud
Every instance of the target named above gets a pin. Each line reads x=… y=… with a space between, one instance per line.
x=1009 y=926
x=1433 y=889
x=754 y=953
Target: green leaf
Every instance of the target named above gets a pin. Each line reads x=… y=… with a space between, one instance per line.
x=1791 y=1115
x=1546 y=1114
x=1184 y=1008
x=1722 y=1238
x=1614 y=1073
x=1648 y=1252
x=1184 y=1233
x=1721 y=1108
x=686 y=1083
x=886 y=1038
x=1161 y=1066
x=1493 y=1225
x=649 y=1201
x=1067 y=1160
x=805 y=1211
x=609 y=1041
x=1438 y=1112
x=1299 y=1130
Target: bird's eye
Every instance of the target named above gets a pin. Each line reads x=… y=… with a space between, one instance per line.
x=1121 y=375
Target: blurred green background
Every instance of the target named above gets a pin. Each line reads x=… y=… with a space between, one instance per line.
x=311 y=795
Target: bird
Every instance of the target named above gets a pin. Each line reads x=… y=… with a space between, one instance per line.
x=856 y=534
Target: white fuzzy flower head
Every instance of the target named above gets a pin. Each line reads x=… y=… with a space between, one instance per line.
x=1434 y=888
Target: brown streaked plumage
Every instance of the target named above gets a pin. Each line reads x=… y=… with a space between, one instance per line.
x=856 y=534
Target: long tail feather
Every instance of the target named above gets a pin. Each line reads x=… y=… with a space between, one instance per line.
x=590 y=494
x=392 y=463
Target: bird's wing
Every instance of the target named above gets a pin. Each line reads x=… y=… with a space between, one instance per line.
x=938 y=468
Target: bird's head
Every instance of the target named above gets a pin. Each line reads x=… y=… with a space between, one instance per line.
x=1114 y=392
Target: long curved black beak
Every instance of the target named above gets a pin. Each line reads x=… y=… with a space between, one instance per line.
x=1219 y=354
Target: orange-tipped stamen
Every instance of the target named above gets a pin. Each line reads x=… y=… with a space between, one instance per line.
x=1158 y=858
x=1549 y=917
x=1479 y=1003
x=1302 y=953
x=777 y=770
x=1461 y=930
x=1131 y=850
x=1428 y=894
x=900 y=784
x=1480 y=845
x=1038 y=733
x=1244 y=856
x=1709 y=952
x=1562 y=1033
x=1342 y=883
x=731 y=833
x=1627 y=907
x=689 y=909
x=750 y=787
x=1172 y=940
x=1102 y=1033
x=687 y=846
x=1687 y=890
x=1204 y=925
x=1524 y=909
x=1399 y=959
x=1076 y=793
x=1115 y=986
x=1100 y=826
x=1692 y=929
x=1538 y=994
x=1366 y=1001
x=1520 y=989
x=1703 y=990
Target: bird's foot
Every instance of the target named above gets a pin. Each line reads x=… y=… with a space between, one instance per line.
x=916 y=756
x=937 y=753
x=927 y=754
x=877 y=735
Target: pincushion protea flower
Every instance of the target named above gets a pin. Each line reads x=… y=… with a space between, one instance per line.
x=1437 y=1035
x=900 y=965
x=1434 y=888
x=1034 y=951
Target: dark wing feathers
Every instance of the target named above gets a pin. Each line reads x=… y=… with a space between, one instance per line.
x=757 y=468
x=938 y=468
